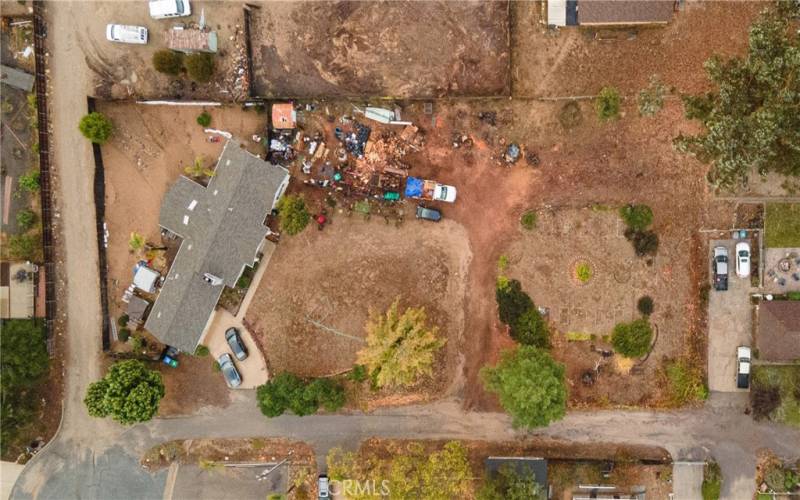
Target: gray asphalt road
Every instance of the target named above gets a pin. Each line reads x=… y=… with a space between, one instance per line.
x=687 y=480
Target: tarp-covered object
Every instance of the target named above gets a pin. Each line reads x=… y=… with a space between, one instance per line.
x=414 y=187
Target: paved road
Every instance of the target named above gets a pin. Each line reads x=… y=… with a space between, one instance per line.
x=729 y=325
x=93 y=458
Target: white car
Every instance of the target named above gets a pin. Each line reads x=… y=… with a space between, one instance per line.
x=126 y=34
x=742 y=259
x=743 y=367
x=443 y=192
x=165 y=9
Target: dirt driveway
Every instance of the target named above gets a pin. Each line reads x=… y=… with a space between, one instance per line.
x=729 y=325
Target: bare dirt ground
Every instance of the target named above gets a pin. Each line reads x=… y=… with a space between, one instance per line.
x=334 y=277
x=544 y=260
x=581 y=61
x=374 y=48
x=192 y=385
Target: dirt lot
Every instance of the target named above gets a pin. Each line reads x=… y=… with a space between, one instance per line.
x=335 y=276
x=374 y=48
x=580 y=61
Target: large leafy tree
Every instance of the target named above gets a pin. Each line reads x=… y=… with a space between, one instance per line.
x=400 y=347
x=129 y=393
x=25 y=362
x=510 y=484
x=751 y=119
x=441 y=475
x=293 y=214
x=530 y=385
x=287 y=391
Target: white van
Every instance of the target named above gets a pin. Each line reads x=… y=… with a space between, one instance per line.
x=126 y=34
x=165 y=9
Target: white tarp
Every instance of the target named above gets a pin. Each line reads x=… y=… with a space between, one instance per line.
x=557 y=12
x=145 y=279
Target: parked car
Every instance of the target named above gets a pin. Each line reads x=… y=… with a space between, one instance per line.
x=236 y=344
x=720 y=268
x=422 y=189
x=743 y=367
x=229 y=371
x=323 y=486
x=743 y=259
x=428 y=213
x=165 y=9
x=126 y=34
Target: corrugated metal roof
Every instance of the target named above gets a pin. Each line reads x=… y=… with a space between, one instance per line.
x=557 y=12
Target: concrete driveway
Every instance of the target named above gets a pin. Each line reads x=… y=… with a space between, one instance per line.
x=222 y=483
x=729 y=324
x=253 y=369
x=687 y=480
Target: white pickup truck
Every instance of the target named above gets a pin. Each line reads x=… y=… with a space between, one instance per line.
x=429 y=190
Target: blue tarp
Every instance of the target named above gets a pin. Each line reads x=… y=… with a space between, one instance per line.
x=414 y=187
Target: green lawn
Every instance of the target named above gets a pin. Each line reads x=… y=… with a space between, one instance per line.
x=782 y=225
x=787 y=380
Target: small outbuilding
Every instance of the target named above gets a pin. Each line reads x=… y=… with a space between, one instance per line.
x=137 y=311
x=144 y=278
x=284 y=117
x=778 y=338
x=609 y=13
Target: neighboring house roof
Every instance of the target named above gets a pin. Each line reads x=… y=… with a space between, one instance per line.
x=622 y=12
x=191 y=40
x=137 y=307
x=222 y=227
x=522 y=465
x=16 y=78
x=779 y=330
x=17 y=290
x=284 y=116
x=145 y=279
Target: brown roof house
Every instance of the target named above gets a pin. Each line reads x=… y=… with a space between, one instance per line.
x=609 y=13
x=222 y=230
x=779 y=331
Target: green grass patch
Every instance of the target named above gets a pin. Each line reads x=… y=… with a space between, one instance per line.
x=685 y=383
x=583 y=271
x=578 y=336
x=782 y=228
x=712 y=481
x=528 y=220
x=786 y=379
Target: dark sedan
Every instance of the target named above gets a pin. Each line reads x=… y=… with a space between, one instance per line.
x=236 y=344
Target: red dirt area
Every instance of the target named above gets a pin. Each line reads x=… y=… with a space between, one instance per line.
x=579 y=61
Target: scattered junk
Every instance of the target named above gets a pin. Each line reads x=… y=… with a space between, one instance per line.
x=282 y=134
x=321 y=219
x=169 y=356
x=382 y=115
x=512 y=154
x=145 y=278
x=190 y=40
x=429 y=190
x=462 y=141
x=488 y=117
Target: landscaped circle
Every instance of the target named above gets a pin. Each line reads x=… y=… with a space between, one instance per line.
x=582 y=272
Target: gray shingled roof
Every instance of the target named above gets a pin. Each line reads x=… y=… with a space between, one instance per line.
x=624 y=11
x=222 y=227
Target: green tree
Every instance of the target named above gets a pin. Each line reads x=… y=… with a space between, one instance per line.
x=289 y=392
x=96 y=127
x=607 y=104
x=204 y=119
x=530 y=386
x=441 y=475
x=168 y=62
x=326 y=393
x=400 y=347
x=531 y=329
x=136 y=242
x=30 y=182
x=751 y=118
x=26 y=219
x=645 y=305
x=293 y=215
x=632 y=339
x=508 y=484
x=129 y=393
x=200 y=66
x=512 y=302
x=636 y=217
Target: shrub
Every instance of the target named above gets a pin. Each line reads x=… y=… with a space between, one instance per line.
x=200 y=66
x=204 y=119
x=530 y=386
x=502 y=263
x=512 y=484
x=23 y=247
x=96 y=127
x=358 y=374
x=712 y=481
x=122 y=321
x=129 y=393
x=793 y=295
x=645 y=305
x=512 y=302
x=136 y=242
x=124 y=334
x=26 y=219
x=168 y=62
x=293 y=215
x=30 y=182
x=531 y=329
x=289 y=392
x=201 y=351
x=137 y=343
x=644 y=242
x=326 y=393
x=216 y=367
x=583 y=271
x=651 y=99
x=528 y=220
x=636 y=217
x=244 y=281
x=775 y=478
x=766 y=399
x=607 y=104
x=632 y=339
